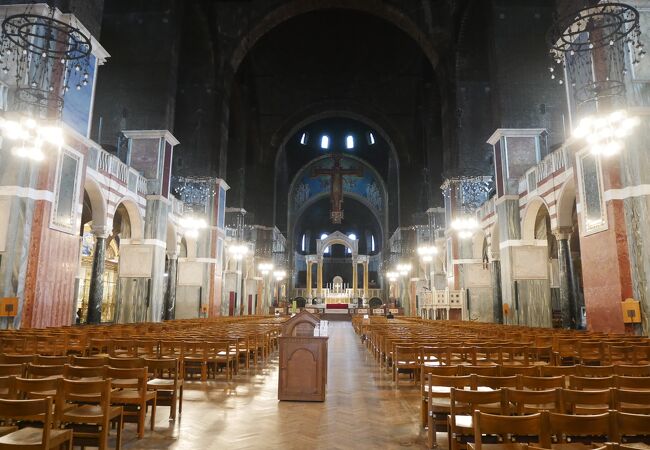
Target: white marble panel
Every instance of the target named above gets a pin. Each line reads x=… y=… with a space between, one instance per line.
x=530 y=263
x=5 y=204
x=136 y=261
x=190 y=273
x=475 y=275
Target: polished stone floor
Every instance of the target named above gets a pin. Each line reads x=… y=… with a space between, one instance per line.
x=363 y=410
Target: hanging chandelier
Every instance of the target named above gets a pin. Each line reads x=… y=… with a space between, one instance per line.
x=192 y=225
x=464 y=226
x=47 y=57
x=29 y=137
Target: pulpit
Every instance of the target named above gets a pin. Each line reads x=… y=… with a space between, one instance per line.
x=303 y=360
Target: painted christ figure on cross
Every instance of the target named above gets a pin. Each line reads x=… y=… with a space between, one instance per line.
x=336 y=173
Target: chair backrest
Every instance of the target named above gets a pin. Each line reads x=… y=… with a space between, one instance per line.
x=553 y=371
x=89 y=361
x=38 y=371
x=466 y=401
x=591 y=383
x=163 y=367
x=628 y=426
x=138 y=375
x=7 y=387
x=34 y=388
x=632 y=370
x=534 y=383
x=43 y=360
x=527 y=401
x=586 y=401
x=509 y=426
x=7 y=370
x=434 y=356
x=32 y=410
x=632 y=400
x=594 y=371
x=497 y=382
x=529 y=371
x=76 y=372
x=571 y=427
x=488 y=370
x=125 y=363
x=633 y=382
x=7 y=358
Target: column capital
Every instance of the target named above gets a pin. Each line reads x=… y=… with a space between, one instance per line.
x=172 y=255
x=563 y=233
x=101 y=231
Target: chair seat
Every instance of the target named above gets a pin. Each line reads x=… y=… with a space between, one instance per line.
x=130 y=395
x=7 y=430
x=34 y=436
x=90 y=413
x=463 y=421
x=125 y=382
x=162 y=383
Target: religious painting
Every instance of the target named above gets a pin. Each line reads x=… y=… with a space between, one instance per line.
x=66 y=192
x=351 y=176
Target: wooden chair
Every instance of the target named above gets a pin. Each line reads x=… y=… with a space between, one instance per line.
x=30 y=438
x=591 y=383
x=530 y=402
x=133 y=395
x=632 y=428
x=463 y=403
x=537 y=383
x=433 y=356
x=167 y=383
x=580 y=428
x=88 y=361
x=590 y=352
x=126 y=362
x=632 y=401
x=447 y=371
x=221 y=355
x=587 y=402
x=439 y=400
x=38 y=371
x=406 y=360
x=85 y=406
x=507 y=429
x=195 y=357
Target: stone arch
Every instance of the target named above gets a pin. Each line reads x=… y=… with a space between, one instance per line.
x=97 y=202
x=293 y=8
x=135 y=217
x=337 y=238
x=529 y=217
x=565 y=204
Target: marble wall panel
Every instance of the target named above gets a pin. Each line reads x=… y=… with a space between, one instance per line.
x=534 y=303
x=188 y=302
x=480 y=304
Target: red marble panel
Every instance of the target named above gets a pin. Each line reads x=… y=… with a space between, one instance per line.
x=606 y=272
x=51 y=274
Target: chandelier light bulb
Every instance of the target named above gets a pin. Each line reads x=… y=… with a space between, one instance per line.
x=605 y=134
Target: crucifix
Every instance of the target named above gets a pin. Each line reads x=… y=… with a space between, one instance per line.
x=336 y=190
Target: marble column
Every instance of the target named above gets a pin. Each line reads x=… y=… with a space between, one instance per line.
x=497 y=300
x=567 y=299
x=170 y=297
x=309 y=263
x=365 y=280
x=96 y=288
x=319 y=278
x=355 y=279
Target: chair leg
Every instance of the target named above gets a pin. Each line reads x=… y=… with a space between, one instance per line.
x=172 y=407
x=153 y=413
x=118 y=438
x=180 y=401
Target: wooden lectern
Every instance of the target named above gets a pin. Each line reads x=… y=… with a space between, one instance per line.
x=303 y=360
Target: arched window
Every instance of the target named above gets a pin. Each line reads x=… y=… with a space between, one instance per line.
x=371 y=138
x=304 y=238
x=325 y=142
x=372 y=242
x=349 y=142
x=304 y=137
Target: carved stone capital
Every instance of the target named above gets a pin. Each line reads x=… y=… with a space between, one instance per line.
x=563 y=233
